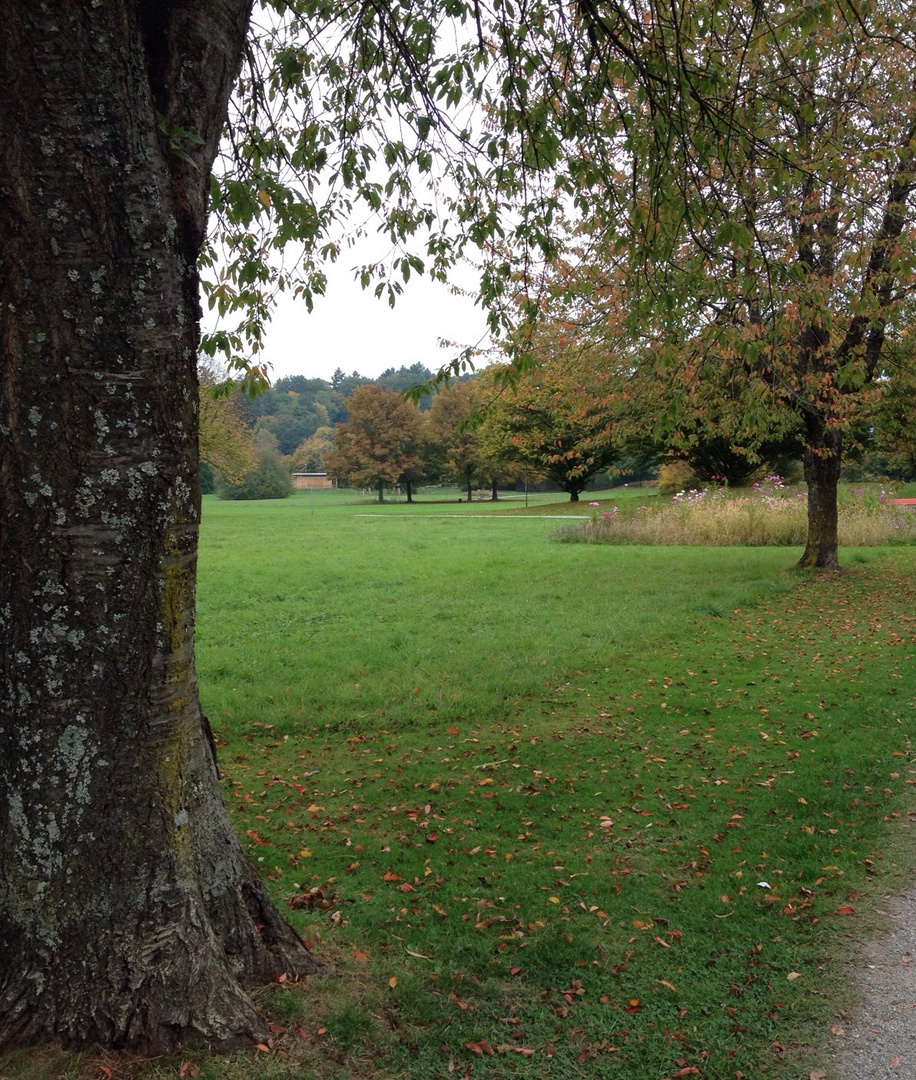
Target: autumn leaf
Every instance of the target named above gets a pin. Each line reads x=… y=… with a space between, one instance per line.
x=846 y=909
x=482 y=1047
x=360 y=955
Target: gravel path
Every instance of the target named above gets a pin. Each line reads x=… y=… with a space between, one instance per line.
x=878 y=1042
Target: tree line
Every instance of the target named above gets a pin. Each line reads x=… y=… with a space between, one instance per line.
x=570 y=420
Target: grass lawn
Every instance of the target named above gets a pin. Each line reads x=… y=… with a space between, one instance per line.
x=549 y=810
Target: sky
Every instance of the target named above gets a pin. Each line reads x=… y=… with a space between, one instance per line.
x=352 y=330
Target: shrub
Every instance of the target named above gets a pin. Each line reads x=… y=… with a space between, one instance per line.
x=268 y=480
x=676 y=476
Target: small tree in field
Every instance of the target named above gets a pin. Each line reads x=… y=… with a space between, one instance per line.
x=454 y=439
x=556 y=419
x=381 y=444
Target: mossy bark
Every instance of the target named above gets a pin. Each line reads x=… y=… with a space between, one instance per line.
x=128 y=913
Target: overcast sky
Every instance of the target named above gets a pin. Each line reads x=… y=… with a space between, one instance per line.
x=352 y=330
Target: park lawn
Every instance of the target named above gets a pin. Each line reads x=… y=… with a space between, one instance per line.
x=551 y=810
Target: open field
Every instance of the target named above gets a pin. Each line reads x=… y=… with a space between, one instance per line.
x=550 y=810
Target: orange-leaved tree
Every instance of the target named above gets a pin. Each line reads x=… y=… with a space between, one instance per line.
x=381 y=444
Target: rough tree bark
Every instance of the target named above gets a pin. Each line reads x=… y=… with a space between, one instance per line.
x=128 y=913
x=822 y=460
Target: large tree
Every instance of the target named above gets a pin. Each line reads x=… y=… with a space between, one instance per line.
x=771 y=214
x=128 y=914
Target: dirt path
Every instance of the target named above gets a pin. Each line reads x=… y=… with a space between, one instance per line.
x=878 y=1041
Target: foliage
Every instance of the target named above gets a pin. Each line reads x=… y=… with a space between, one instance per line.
x=790 y=272
x=558 y=419
x=771 y=515
x=894 y=441
x=454 y=441
x=225 y=442
x=269 y=479
x=294 y=409
x=309 y=454
x=674 y=477
x=207 y=478
x=382 y=442
x=403 y=378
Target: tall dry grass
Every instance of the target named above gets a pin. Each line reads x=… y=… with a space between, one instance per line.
x=769 y=516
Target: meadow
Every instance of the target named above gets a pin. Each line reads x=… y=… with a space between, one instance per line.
x=548 y=809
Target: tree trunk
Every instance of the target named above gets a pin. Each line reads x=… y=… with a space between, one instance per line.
x=128 y=913
x=494 y=497
x=467 y=472
x=822 y=460
x=381 y=491
x=574 y=495
x=408 y=487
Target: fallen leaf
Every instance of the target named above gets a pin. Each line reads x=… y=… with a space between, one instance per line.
x=837 y=1030
x=482 y=1047
x=393 y=982
x=846 y=909
x=794 y=975
x=360 y=955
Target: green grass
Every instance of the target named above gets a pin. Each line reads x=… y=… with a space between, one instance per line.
x=523 y=795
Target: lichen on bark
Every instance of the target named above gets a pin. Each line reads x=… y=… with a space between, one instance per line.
x=128 y=913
